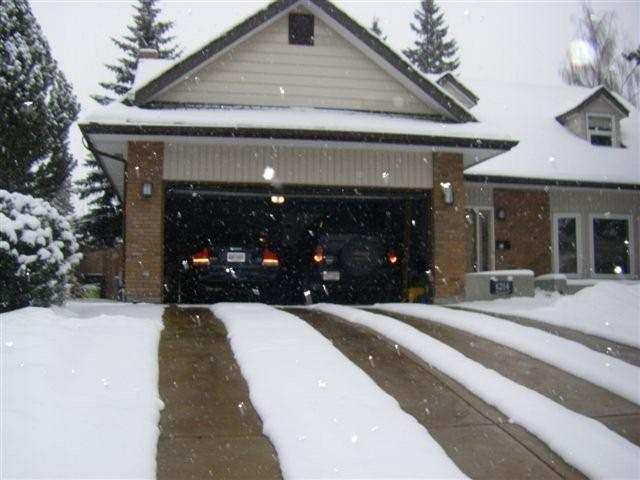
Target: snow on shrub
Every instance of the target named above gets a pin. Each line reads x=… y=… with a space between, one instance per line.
x=38 y=251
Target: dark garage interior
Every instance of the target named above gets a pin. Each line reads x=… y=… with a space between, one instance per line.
x=292 y=225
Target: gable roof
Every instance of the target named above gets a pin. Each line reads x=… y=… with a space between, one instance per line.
x=374 y=46
x=590 y=96
x=547 y=151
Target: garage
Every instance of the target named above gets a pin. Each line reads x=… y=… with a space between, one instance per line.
x=351 y=245
x=358 y=147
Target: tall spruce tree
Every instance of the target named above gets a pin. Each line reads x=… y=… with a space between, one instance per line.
x=102 y=226
x=147 y=32
x=37 y=108
x=432 y=52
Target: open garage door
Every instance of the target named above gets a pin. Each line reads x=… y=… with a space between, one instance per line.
x=293 y=246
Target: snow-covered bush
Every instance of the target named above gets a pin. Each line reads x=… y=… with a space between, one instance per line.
x=38 y=251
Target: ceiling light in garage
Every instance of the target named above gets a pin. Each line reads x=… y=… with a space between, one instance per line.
x=268 y=173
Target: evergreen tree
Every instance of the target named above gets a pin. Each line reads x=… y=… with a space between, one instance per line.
x=432 y=53
x=102 y=226
x=37 y=108
x=147 y=32
x=375 y=28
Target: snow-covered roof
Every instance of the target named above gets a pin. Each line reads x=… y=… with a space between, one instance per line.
x=547 y=150
x=148 y=69
x=301 y=119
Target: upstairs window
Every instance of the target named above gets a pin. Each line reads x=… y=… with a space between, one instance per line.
x=301 y=29
x=600 y=129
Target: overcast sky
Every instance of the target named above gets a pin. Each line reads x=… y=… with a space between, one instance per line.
x=507 y=40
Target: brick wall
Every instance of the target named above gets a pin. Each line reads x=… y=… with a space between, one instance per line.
x=527 y=226
x=144 y=223
x=447 y=231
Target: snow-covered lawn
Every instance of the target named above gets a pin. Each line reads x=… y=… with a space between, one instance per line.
x=582 y=442
x=325 y=416
x=79 y=390
x=572 y=357
x=609 y=310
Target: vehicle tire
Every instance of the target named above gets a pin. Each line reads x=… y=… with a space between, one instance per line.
x=362 y=256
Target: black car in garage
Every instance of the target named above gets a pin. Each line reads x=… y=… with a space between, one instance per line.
x=354 y=267
x=246 y=265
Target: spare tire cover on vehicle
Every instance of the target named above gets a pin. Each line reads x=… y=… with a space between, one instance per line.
x=362 y=255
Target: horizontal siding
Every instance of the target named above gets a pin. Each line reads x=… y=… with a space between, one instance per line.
x=478 y=195
x=595 y=201
x=297 y=166
x=267 y=71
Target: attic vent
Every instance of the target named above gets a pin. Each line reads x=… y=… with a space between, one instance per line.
x=300 y=29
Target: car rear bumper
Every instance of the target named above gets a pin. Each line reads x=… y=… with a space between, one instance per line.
x=241 y=274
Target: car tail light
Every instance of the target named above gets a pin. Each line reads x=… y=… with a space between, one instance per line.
x=269 y=258
x=318 y=255
x=392 y=258
x=201 y=258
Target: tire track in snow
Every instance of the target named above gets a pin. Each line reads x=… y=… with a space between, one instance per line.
x=325 y=416
x=472 y=432
x=609 y=373
x=573 y=392
x=583 y=442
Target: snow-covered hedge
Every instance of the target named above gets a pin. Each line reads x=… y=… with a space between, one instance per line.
x=38 y=251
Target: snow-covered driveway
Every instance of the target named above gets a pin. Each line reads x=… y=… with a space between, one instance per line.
x=330 y=392
x=582 y=442
x=325 y=417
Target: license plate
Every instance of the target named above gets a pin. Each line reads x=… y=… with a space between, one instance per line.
x=236 y=257
x=501 y=287
x=330 y=276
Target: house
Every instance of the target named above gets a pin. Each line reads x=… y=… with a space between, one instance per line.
x=566 y=199
x=301 y=103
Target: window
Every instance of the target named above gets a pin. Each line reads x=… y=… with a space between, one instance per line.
x=301 y=29
x=479 y=234
x=611 y=246
x=567 y=243
x=600 y=129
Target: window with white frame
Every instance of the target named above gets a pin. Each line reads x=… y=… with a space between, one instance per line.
x=567 y=243
x=611 y=245
x=600 y=129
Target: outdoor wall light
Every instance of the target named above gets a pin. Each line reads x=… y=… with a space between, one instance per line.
x=501 y=214
x=277 y=199
x=147 y=189
x=447 y=192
